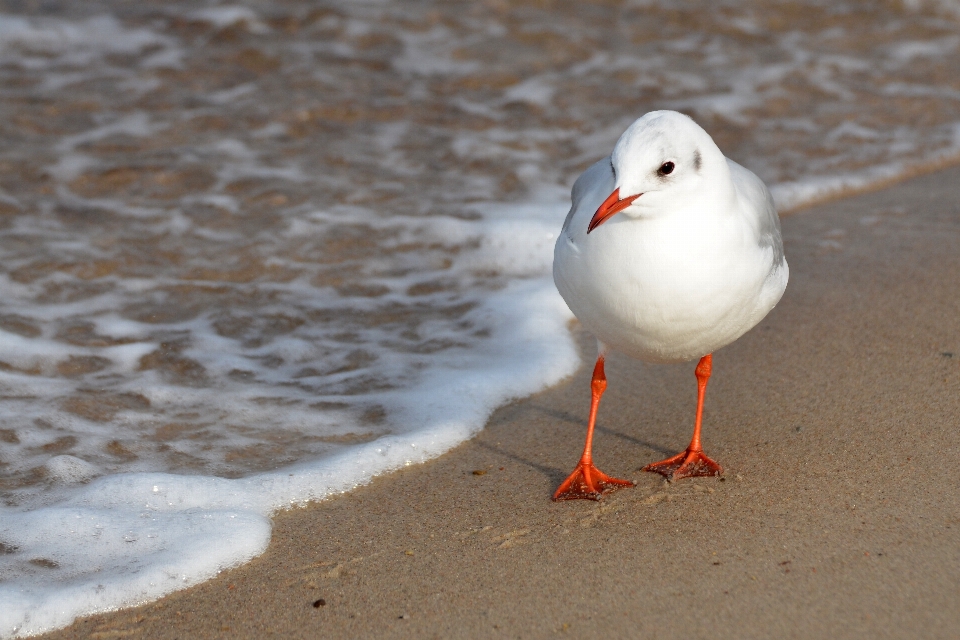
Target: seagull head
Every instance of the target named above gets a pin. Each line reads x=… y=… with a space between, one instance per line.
x=663 y=161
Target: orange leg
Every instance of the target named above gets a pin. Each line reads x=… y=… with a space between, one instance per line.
x=692 y=462
x=587 y=481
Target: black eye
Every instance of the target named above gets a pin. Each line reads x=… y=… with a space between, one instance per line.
x=665 y=169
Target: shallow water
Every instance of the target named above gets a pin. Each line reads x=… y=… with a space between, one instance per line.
x=234 y=239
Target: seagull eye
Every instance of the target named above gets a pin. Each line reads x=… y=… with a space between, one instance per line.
x=665 y=169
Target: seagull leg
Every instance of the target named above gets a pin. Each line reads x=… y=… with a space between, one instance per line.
x=587 y=481
x=693 y=462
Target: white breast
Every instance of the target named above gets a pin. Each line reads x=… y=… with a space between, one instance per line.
x=670 y=288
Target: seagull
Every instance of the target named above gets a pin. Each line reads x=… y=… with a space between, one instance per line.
x=670 y=252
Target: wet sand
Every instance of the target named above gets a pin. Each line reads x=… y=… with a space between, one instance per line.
x=838 y=515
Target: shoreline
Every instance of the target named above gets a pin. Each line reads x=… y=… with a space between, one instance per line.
x=818 y=525
x=864 y=185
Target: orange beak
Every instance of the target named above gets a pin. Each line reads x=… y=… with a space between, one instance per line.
x=610 y=207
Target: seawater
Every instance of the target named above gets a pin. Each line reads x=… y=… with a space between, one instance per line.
x=253 y=256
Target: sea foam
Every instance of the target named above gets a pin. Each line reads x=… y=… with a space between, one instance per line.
x=128 y=538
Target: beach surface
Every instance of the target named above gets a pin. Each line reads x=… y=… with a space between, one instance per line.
x=837 y=420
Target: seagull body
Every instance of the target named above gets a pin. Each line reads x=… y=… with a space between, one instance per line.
x=670 y=251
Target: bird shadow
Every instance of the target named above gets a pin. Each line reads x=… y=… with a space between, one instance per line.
x=553 y=474
x=556 y=475
x=566 y=416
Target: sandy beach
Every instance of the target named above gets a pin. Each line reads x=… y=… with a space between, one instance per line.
x=838 y=516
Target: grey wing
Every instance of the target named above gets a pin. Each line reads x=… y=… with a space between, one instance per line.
x=598 y=176
x=759 y=204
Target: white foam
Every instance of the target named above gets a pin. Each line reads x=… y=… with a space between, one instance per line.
x=126 y=539
x=908 y=51
x=107 y=554
x=227 y=15
x=70 y=469
x=228 y=95
x=81 y=39
x=70 y=165
x=432 y=53
x=536 y=90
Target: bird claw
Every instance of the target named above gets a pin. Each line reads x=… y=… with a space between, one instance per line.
x=589 y=483
x=687 y=464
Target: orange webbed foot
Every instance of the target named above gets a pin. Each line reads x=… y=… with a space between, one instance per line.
x=688 y=464
x=588 y=483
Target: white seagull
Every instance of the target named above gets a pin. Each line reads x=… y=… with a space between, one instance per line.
x=670 y=251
